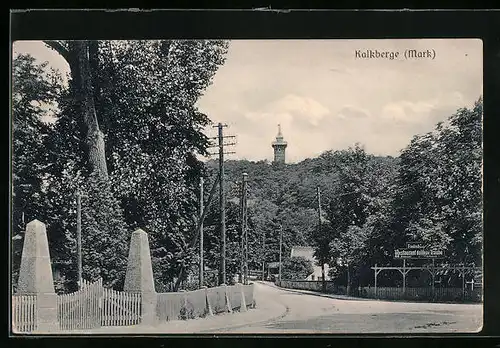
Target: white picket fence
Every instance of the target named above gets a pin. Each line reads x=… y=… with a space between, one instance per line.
x=24 y=318
x=81 y=309
x=94 y=306
x=120 y=308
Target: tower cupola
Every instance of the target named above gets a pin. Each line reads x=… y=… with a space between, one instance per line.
x=279 y=146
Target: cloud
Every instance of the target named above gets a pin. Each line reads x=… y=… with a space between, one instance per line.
x=304 y=108
x=325 y=99
x=351 y=111
x=295 y=114
x=422 y=112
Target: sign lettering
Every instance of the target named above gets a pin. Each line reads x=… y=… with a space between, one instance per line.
x=414 y=245
x=417 y=253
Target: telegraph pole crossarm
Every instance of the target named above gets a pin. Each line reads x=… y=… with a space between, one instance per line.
x=222 y=203
x=222 y=207
x=222 y=195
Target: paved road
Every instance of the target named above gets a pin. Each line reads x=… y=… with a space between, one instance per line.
x=296 y=311
x=302 y=312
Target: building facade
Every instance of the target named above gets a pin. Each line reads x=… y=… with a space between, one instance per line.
x=279 y=146
x=308 y=253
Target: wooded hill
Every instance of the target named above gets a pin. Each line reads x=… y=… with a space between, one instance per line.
x=125 y=132
x=371 y=205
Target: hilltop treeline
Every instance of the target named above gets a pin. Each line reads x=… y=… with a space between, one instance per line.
x=136 y=102
x=371 y=205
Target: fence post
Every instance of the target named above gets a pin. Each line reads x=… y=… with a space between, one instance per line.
x=35 y=276
x=228 y=303
x=139 y=276
x=243 y=303
x=184 y=307
x=209 y=306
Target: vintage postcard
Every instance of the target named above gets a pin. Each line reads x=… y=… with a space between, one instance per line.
x=247 y=186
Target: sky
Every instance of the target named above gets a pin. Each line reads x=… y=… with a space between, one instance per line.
x=327 y=99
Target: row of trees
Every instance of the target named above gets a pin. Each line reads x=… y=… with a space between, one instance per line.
x=432 y=193
x=124 y=132
x=371 y=205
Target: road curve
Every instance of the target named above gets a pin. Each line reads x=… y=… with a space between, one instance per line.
x=309 y=313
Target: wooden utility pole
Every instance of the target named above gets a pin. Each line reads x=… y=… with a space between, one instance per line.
x=202 y=269
x=222 y=201
x=463 y=281
x=79 y=236
x=281 y=242
x=245 y=229
x=242 y=246
x=433 y=274
x=194 y=240
x=348 y=289
x=404 y=277
x=319 y=233
x=222 y=207
x=263 y=255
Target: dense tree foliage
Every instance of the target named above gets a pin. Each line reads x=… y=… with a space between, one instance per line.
x=373 y=205
x=296 y=268
x=35 y=92
x=434 y=198
x=144 y=95
x=439 y=190
x=152 y=160
x=286 y=196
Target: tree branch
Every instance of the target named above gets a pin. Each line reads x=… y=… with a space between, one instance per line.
x=59 y=48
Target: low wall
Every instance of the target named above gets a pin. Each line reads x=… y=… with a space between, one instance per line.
x=314 y=285
x=200 y=303
x=391 y=293
x=37 y=307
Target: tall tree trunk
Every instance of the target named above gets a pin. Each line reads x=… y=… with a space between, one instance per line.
x=95 y=137
x=79 y=54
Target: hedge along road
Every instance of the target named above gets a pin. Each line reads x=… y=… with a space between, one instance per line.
x=307 y=312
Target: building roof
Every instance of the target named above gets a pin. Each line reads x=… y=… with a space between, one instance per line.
x=308 y=253
x=279 y=139
x=273 y=264
x=304 y=251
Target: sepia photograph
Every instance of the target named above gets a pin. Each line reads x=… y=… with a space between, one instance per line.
x=246 y=186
